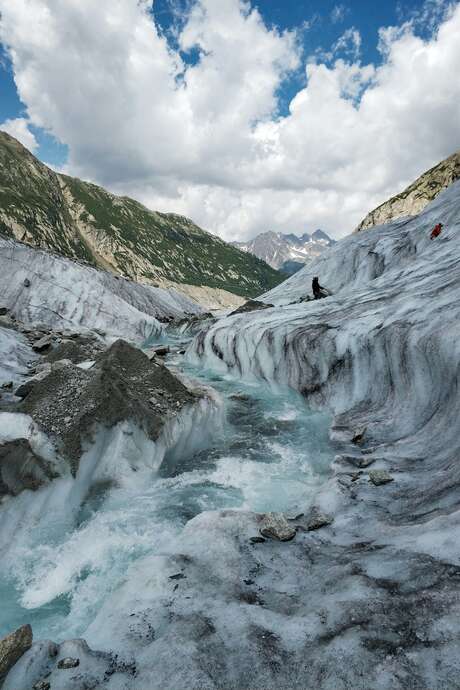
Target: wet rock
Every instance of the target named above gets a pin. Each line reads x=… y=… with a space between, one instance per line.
x=275 y=526
x=192 y=324
x=4 y=311
x=243 y=397
x=315 y=519
x=380 y=477
x=157 y=351
x=26 y=282
x=251 y=305
x=358 y=437
x=21 y=468
x=360 y=461
x=68 y=662
x=12 y=647
x=41 y=685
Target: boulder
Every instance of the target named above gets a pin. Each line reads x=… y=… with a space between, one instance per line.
x=314 y=519
x=21 y=468
x=157 y=351
x=251 y=305
x=43 y=343
x=380 y=477
x=68 y=662
x=12 y=647
x=275 y=526
x=4 y=311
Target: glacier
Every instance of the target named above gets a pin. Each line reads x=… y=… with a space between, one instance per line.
x=171 y=584
x=67 y=294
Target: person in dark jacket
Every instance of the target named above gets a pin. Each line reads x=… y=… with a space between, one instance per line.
x=318 y=290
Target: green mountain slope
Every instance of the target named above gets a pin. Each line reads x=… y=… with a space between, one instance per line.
x=85 y=222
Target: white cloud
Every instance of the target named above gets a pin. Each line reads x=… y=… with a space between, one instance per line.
x=19 y=129
x=338 y=14
x=206 y=139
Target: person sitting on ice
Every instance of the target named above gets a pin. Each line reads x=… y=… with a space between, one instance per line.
x=318 y=290
x=436 y=231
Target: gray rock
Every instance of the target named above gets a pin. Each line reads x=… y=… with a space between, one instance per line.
x=25 y=388
x=380 y=477
x=251 y=305
x=21 y=468
x=41 y=685
x=61 y=364
x=43 y=343
x=12 y=647
x=360 y=461
x=358 y=437
x=275 y=526
x=68 y=662
x=157 y=351
x=314 y=519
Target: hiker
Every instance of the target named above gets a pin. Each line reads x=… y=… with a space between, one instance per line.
x=436 y=231
x=318 y=290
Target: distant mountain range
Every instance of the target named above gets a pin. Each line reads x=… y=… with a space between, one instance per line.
x=287 y=253
x=85 y=222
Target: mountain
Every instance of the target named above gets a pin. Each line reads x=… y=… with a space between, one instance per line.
x=287 y=253
x=82 y=221
x=417 y=195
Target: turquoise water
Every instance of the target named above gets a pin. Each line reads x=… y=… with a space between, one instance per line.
x=57 y=570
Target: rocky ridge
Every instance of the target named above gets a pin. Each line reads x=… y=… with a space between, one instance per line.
x=287 y=252
x=417 y=195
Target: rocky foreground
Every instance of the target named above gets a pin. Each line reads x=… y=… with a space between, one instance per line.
x=356 y=590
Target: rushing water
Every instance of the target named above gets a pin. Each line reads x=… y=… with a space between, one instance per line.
x=272 y=454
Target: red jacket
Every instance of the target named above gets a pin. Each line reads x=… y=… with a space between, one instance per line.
x=436 y=231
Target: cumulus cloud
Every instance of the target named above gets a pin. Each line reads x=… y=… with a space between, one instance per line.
x=205 y=137
x=19 y=129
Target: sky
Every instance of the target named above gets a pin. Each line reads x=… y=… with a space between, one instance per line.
x=245 y=115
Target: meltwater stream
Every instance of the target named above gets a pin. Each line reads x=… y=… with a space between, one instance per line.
x=271 y=455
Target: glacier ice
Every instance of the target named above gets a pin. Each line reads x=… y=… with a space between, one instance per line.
x=367 y=601
x=66 y=294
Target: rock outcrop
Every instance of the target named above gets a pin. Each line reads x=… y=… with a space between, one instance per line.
x=12 y=647
x=419 y=194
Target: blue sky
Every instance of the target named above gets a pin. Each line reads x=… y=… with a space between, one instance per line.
x=320 y=24
x=243 y=115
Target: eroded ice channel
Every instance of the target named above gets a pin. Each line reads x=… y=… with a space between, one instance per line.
x=271 y=454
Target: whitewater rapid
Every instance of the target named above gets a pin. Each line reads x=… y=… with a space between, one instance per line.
x=65 y=551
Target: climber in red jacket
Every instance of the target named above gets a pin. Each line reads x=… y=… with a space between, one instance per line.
x=436 y=231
